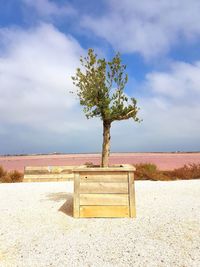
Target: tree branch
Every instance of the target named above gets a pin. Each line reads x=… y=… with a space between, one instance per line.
x=125 y=117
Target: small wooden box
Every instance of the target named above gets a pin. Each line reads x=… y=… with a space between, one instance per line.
x=104 y=192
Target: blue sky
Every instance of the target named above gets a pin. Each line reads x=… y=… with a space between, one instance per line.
x=41 y=42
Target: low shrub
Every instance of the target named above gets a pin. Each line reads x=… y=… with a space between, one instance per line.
x=149 y=171
x=89 y=163
x=3 y=174
x=15 y=176
x=190 y=171
x=10 y=177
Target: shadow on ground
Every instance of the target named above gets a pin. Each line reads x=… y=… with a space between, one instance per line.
x=67 y=207
x=57 y=196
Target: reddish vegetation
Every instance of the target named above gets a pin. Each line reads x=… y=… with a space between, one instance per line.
x=190 y=171
x=144 y=171
x=10 y=177
x=164 y=161
x=151 y=172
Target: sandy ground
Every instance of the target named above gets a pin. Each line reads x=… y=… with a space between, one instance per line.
x=164 y=161
x=37 y=228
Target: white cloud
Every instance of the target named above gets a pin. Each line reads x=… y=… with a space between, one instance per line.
x=35 y=78
x=182 y=81
x=48 y=8
x=175 y=102
x=37 y=112
x=170 y=112
x=147 y=27
x=36 y=109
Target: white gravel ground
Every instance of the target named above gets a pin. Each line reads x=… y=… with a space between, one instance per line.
x=37 y=228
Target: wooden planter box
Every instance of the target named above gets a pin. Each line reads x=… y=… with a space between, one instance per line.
x=104 y=192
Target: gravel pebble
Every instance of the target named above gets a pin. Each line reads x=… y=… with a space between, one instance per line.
x=37 y=228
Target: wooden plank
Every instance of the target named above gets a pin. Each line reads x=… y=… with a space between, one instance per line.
x=131 y=194
x=48 y=168
x=103 y=177
x=88 y=187
x=36 y=168
x=27 y=180
x=48 y=176
x=47 y=172
x=104 y=211
x=76 y=200
x=48 y=180
x=104 y=199
x=125 y=167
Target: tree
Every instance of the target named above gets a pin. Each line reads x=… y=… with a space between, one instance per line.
x=100 y=90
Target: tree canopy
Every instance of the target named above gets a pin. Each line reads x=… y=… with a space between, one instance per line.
x=101 y=89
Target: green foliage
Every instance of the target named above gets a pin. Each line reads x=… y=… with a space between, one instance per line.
x=96 y=80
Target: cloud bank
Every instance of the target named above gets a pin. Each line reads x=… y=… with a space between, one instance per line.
x=35 y=76
x=170 y=111
x=46 y=8
x=150 y=28
x=37 y=112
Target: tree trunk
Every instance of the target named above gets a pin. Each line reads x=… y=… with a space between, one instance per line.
x=106 y=144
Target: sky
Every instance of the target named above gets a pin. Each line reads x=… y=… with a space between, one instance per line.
x=41 y=43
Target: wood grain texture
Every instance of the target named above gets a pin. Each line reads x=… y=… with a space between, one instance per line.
x=106 y=194
x=48 y=168
x=48 y=172
x=98 y=187
x=131 y=194
x=103 y=177
x=47 y=180
x=104 y=211
x=115 y=168
x=48 y=176
x=104 y=199
x=76 y=201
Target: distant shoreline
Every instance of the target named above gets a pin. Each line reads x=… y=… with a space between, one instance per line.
x=163 y=160
x=99 y=153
